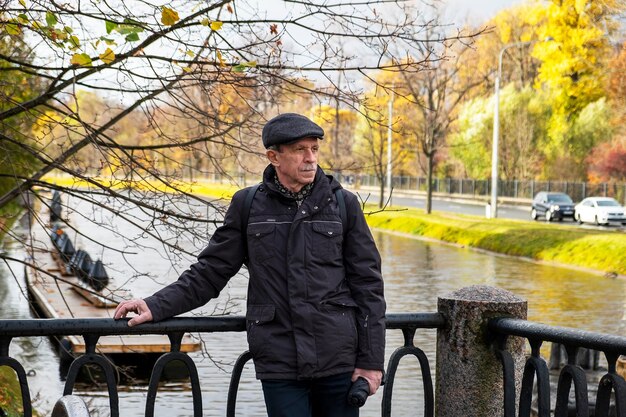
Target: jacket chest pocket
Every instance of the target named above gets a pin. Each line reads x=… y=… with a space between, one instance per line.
x=261 y=241
x=327 y=240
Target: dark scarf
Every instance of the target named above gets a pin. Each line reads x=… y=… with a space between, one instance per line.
x=299 y=196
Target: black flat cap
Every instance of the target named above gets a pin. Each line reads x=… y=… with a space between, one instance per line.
x=288 y=127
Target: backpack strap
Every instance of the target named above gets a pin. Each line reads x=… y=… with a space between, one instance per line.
x=245 y=214
x=342 y=209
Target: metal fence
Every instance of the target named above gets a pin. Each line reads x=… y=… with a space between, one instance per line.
x=470 y=188
x=92 y=329
x=536 y=371
x=611 y=390
x=510 y=189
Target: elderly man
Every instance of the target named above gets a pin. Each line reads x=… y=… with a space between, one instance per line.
x=315 y=306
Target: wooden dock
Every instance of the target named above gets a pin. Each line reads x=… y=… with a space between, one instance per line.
x=59 y=294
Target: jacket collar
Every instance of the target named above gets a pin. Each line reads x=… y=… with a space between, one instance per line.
x=322 y=190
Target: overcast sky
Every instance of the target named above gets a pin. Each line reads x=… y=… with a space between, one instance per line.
x=477 y=11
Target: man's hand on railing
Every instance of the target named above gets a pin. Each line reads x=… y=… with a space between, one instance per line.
x=137 y=306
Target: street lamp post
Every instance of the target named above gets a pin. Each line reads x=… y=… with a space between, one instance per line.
x=496 y=131
x=389 y=142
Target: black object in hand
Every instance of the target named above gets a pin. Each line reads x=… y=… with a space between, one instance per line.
x=359 y=391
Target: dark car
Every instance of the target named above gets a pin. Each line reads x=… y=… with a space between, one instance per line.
x=552 y=206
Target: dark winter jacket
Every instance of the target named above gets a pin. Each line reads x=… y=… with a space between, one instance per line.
x=315 y=298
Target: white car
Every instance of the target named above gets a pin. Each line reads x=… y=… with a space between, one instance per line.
x=599 y=210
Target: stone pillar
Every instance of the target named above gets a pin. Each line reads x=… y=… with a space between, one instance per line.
x=469 y=375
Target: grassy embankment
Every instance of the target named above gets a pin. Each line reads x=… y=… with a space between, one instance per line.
x=10 y=399
x=597 y=250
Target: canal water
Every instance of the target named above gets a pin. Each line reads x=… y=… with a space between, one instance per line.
x=416 y=273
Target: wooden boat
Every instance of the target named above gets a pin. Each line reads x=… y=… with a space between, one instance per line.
x=59 y=292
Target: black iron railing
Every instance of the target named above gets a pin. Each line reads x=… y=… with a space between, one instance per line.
x=409 y=323
x=535 y=373
x=480 y=188
x=92 y=329
x=536 y=370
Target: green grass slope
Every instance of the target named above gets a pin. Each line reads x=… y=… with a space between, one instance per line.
x=600 y=250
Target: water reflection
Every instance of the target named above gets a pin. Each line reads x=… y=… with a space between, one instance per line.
x=556 y=296
x=416 y=273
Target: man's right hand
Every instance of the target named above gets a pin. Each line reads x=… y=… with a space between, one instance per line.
x=138 y=306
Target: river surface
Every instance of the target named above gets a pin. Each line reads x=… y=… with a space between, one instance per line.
x=416 y=273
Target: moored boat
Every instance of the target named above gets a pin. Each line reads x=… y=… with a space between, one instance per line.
x=64 y=281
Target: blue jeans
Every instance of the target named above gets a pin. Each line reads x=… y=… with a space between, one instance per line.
x=320 y=397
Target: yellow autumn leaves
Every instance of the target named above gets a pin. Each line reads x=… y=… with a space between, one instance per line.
x=215 y=25
x=170 y=17
x=81 y=59
x=63 y=36
x=107 y=56
x=84 y=60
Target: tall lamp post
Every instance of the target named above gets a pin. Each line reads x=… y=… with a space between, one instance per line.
x=496 y=129
x=389 y=142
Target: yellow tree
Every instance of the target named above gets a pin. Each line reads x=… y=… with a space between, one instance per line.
x=339 y=127
x=519 y=69
x=435 y=99
x=573 y=69
x=617 y=85
x=479 y=64
x=374 y=128
x=18 y=146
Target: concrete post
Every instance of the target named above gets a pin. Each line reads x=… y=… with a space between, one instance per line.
x=469 y=376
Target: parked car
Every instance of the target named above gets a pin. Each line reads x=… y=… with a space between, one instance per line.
x=599 y=210
x=552 y=206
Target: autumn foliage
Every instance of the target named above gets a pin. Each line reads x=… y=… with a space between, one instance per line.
x=181 y=90
x=608 y=163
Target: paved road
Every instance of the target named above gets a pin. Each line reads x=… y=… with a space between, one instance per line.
x=475 y=208
x=453 y=206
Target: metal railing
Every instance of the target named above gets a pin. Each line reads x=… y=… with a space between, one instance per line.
x=92 y=329
x=477 y=188
x=536 y=371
